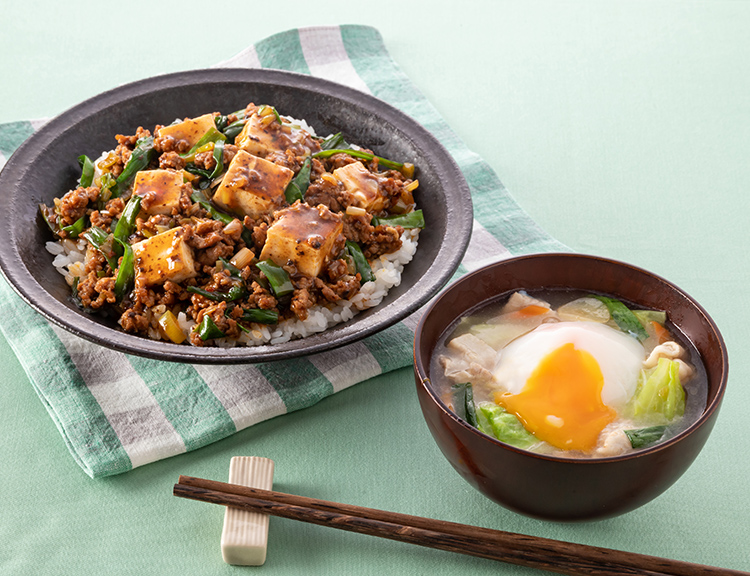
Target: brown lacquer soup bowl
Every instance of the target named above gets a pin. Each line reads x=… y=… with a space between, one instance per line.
x=563 y=488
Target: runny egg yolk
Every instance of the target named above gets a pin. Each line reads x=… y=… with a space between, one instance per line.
x=561 y=402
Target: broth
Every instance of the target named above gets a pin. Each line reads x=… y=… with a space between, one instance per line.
x=570 y=373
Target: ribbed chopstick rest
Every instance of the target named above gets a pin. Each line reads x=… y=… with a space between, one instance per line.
x=244 y=538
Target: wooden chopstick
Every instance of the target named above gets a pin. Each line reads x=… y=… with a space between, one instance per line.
x=531 y=551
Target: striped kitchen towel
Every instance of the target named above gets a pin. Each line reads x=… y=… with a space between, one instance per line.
x=117 y=411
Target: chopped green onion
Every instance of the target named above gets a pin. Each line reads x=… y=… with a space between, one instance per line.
x=233 y=130
x=87 y=171
x=75 y=229
x=140 y=158
x=359 y=154
x=102 y=241
x=645 y=436
x=624 y=318
x=298 y=186
x=260 y=316
x=463 y=403
x=277 y=277
x=126 y=224
x=208 y=329
x=125 y=273
x=212 y=135
x=360 y=262
x=410 y=220
x=233 y=270
x=335 y=141
x=236 y=292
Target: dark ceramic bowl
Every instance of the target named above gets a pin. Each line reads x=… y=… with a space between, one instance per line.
x=556 y=488
x=45 y=166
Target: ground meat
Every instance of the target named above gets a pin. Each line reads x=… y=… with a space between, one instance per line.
x=74 y=204
x=302 y=301
x=336 y=269
x=153 y=225
x=136 y=319
x=115 y=206
x=171 y=161
x=95 y=292
x=342 y=289
x=330 y=194
x=384 y=240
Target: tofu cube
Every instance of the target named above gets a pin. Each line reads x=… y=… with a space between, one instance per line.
x=163 y=257
x=160 y=190
x=362 y=186
x=190 y=130
x=252 y=186
x=260 y=137
x=307 y=237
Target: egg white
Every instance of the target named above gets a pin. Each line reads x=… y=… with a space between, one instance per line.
x=620 y=357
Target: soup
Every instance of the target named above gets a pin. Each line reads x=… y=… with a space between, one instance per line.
x=571 y=374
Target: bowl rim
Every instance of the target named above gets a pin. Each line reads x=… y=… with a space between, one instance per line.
x=707 y=414
x=447 y=258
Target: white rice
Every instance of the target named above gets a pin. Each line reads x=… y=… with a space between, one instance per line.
x=69 y=261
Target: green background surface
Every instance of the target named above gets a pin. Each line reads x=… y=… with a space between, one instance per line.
x=623 y=128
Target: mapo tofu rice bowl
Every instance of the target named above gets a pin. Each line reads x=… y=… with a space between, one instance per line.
x=238 y=229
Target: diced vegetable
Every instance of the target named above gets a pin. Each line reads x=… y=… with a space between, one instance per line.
x=624 y=318
x=586 y=309
x=171 y=328
x=495 y=421
x=409 y=220
x=360 y=262
x=242 y=258
x=645 y=436
x=298 y=186
x=277 y=277
x=208 y=329
x=659 y=393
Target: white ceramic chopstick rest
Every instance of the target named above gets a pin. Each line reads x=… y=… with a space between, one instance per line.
x=244 y=538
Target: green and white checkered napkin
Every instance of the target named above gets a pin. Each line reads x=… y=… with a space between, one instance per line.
x=117 y=411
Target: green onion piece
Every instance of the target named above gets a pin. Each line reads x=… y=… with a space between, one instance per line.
x=645 y=436
x=359 y=154
x=624 y=318
x=46 y=213
x=277 y=277
x=219 y=157
x=87 y=171
x=212 y=135
x=233 y=130
x=208 y=329
x=140 y=158
x=463 y=403
x=260 y=316
x=360 y=262
x=200 y=198
x=236 y=292
x=125 y=273
x=298 y=186
x=335 y=141
x=410 y=220
x=262 y=109
x=126 y=224
x=102 y=241
x=75 y=229
x=233 y=270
